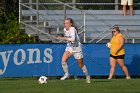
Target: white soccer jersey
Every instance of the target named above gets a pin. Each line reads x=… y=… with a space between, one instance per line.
x=73 y=44
x=72 y=34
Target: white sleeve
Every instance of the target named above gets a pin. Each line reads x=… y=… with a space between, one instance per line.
x=72 y=35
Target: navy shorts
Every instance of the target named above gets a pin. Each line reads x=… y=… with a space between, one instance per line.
x=117 y=57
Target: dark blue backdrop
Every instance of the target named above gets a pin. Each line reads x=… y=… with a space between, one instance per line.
x=18 y=60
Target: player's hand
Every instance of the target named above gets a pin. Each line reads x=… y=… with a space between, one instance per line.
x=62 y=38
x=116 y=52
x=108 y=44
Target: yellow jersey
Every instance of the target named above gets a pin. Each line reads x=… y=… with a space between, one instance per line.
x=115 y=43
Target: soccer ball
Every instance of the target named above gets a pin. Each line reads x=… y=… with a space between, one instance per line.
x=43 y=80
x=108 y=45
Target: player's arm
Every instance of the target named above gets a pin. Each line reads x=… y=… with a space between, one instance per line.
x=121 y=44
x=72 y=38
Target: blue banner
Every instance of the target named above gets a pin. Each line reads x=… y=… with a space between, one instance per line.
x=18 y=60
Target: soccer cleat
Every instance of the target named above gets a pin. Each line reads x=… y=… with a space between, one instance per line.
x=128 y=77
x=109 y=78
x=65 y=77
x=88 y=79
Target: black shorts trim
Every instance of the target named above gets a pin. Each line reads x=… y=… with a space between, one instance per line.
x=117 y=57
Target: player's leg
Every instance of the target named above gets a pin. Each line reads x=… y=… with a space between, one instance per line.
x=79 y=57
x=112 y=67
x=82 y=66
x=123 y=67
x=65 y=57
x=85 y=71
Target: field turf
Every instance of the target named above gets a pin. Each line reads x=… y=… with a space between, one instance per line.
x=69 y=86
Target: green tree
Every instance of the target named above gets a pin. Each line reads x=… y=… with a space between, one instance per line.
x=9 y=25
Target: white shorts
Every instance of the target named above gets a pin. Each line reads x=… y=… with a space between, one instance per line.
x=124 y=2
x=76 y=51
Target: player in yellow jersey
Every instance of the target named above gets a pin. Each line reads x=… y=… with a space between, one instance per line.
x=117 y=52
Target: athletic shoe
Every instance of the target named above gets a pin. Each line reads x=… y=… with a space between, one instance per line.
x=65 y=77
x=128 y=77
x=109 y=78
x=88 y=79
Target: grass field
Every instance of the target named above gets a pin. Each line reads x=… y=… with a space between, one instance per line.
x=70 y=86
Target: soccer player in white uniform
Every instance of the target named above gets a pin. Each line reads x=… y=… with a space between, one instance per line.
x=74 y=47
